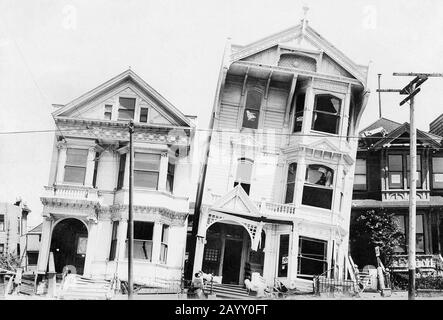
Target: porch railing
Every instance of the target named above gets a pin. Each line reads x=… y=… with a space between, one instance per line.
x=72 y=192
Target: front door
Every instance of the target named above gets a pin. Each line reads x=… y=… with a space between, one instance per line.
x=232 y=261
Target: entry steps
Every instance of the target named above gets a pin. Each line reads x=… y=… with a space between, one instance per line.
x=81 y=288
x=229 y=291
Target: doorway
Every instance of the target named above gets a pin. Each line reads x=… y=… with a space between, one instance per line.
x=68 y=244
x=232 y=261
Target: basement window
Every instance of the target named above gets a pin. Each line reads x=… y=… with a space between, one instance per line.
x=290 y=183
x=244 y=173
x=252 y=109
x=317 y=190
x=326 y=116
x=311 y=257
x=75 y=167
x=299 y=110
x=126 y=109
x=143 y=232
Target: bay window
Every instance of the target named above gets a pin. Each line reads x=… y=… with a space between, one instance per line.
x=317 y=190
x=75 y=166
x=326 y=117
x=398 y=169
x=437 y=172
x=146 y=170
x=290 y=183
x=143 y=232
x=252 y=109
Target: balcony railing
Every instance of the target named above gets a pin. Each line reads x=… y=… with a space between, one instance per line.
x=71 y=192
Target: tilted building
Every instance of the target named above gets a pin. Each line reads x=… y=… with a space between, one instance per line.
x=86 y=200
x=276 y=196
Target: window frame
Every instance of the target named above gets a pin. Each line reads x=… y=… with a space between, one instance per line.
x=404 y=171
x=318 y=186
x=67 y=165
x=290 y=182
x=436 y=172
x=147 y=170
x=405 y=245
x=361 y=174
x=338 y=115
x=300 y=255
x=258 y=110
x=119 y=107
x=107 y=109
x=164 y=244
x=144 y=241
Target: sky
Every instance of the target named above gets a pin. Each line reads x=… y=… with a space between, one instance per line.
x=51 y=52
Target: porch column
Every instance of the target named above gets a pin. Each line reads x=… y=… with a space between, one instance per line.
x=90 y=249
x=121 y=239
x=45 y=245
x=198 y=258
x=309 y=107
x=293 y=254
x=90 y=165
x=61 y=162
x=163 y=171
x=270 y=250
x=156 y=241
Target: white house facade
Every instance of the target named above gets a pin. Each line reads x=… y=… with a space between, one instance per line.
x=278 y=187
x=86 y=200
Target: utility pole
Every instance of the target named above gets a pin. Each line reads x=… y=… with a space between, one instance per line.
x=412 y=89
x=130 y=217
x=379 y=96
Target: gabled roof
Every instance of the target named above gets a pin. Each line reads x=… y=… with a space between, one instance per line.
x=424 y=137
x=313 y=38
x=236 y=201
x=121 y=78
x=387 y=124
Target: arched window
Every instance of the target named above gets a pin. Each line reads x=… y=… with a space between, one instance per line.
x=326 y=113
x=244 y=173
x=290 y=183
x=252 y=109
x=317 y=190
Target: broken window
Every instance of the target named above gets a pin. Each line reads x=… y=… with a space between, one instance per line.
x=326 y=113
x=317 y=190
x=244 y=173
x=299 y=110
x=360 y=175
x=311 y=257
x=114 y=237
x=437 y=172
x=143 y=114
x=126 y=109
x=75 y=167
x=108 y=112
x=283 y=256
x=290 y=183
x=146 y=170
x=164 y=244
x=252 y=109
x=170 y=177
x=142 y=247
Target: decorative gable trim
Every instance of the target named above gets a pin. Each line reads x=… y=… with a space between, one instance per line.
x=236 y=194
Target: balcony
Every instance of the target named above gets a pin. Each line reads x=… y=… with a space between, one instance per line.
x=71 y=192
x=281 y=211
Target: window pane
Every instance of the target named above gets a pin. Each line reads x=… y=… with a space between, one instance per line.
x=253 y=100
x=318 y=174
x=165 y=233
x=127 y=103
x=437 y=165
x=395 y=180
x=125 y=114
x=419 y=223
x=312 y=256
x=300 y=103
x=325 y=123
x=144 y=115
x=437 y=180
x=146 y=161
x=317 y=197
x=142 y=249
x=360 y=166
x=74 y=174
x=359 y=182
x=146 y=179
x=244 y=171
x=250 y=119
x=291 y=172
x=327 y=103
x=76 y=157
x=143 y=230
x=437 y=169
x=395 y=162
x=290 y=192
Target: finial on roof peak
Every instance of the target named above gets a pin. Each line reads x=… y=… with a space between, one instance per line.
x=305 y=15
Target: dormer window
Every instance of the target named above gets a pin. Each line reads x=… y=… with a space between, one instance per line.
x=126 y=109
x=252 y=109
x=326 y=113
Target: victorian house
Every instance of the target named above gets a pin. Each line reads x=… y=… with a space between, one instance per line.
x=381 y=183
x=86 y=200
x=276 y=195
